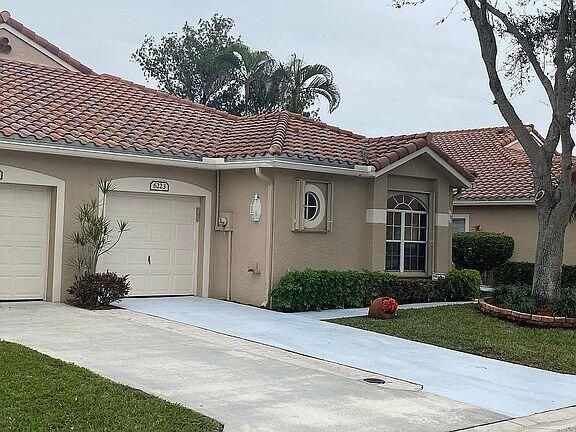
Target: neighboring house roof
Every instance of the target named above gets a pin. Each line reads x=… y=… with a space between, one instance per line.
x=5 y=18
x=501 y=166
x=63 y=107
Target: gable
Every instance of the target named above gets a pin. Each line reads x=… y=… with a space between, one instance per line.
x=21 y=50
x=19 y=43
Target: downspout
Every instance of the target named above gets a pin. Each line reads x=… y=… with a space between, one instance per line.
x=269 y=234
x=229 y=275
x=217 y=204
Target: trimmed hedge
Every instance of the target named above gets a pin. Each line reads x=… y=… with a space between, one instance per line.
x=305 y=290
x=522 y=273
x=480 y=250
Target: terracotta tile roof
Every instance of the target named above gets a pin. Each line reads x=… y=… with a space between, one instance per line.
x=70 y=108
x=6 y=18
x=502 y=170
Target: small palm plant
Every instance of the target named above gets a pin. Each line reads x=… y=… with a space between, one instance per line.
x=97 y=234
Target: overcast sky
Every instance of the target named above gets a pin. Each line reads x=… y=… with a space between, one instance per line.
x=398 y=71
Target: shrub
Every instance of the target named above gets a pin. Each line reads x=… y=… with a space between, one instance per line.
x=481 y=251
x=462 y=284
x=514 y=273
x=522 y=273
x=565 y=303
x=93 y=290
x=304 y=290
x=515 y=297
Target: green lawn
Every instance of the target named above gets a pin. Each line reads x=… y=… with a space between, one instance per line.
x=463 y=328
x=40 y=393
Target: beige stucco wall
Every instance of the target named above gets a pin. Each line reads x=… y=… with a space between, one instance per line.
x=521 y=223
x=81 y=176
x=249 y=240
x=24 y=52
x=353 y=243
x=345 y=247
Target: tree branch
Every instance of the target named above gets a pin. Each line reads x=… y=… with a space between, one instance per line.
x=489 y=50
x=528 y=49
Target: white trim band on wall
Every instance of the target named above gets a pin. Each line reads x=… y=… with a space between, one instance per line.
x=376 y=216
x=442 y=219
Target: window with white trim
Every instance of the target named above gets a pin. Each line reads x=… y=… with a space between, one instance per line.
x=313 y=210
x=406 y=234
x=460 y=223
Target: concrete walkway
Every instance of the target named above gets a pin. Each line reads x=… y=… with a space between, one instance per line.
x=497 y=386
x=247 y=386
x=562 y=420
x=345 y=313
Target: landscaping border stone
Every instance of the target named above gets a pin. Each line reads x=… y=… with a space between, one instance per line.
x=525 y=318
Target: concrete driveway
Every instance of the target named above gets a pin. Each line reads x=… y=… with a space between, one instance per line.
x=497 y=386
x=245 y=385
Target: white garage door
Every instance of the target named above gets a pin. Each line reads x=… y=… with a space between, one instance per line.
x=24 y=234
x=160 y=249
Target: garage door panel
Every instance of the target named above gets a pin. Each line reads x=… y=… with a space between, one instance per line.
x=161 y=232
x=24 y=229
x=33 y=255
x=31 y=226
x=182 y=283
x=6 y=224
x=160 y=284
x=160 y=257
x=162 y=207
x=184 y=257
x=162 y=228
x=6 y=255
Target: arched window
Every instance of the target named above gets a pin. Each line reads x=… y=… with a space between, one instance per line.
x=406 y=234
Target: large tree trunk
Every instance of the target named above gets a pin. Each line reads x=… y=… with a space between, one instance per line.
x=549 y=253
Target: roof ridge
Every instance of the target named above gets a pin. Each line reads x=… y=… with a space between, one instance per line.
x=5 y=17
x=279 y=134
x=325 y=125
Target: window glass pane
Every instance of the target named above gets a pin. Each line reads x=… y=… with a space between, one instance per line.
x=415 y=257
x=458 y=224
x=393 y=256
x=311 y=205
x=389 y=233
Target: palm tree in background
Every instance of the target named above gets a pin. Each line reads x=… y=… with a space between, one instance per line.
x=301 y=85
x=255 y=69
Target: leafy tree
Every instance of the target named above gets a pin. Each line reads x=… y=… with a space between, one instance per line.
x=301 y=85
x=190 y=65
x=540 y=41
x=209 y=66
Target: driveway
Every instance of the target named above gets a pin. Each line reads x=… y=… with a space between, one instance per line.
x=245 y=385
x=494 y=385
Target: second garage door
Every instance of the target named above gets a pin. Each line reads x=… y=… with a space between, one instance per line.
x=160 y=249
x=24 y=233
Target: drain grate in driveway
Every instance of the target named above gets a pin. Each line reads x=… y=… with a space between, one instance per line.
x=374 y=380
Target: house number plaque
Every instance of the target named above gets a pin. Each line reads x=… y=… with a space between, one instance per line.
x=1 y=175
x=160 y=186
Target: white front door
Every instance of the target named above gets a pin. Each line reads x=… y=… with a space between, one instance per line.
x=24 y=239
x=159 y=251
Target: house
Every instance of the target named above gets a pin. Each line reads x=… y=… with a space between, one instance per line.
x=218 y=205
x=502 y=199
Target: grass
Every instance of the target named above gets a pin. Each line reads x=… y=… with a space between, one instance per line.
x=40 y=393
x=463 y=328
